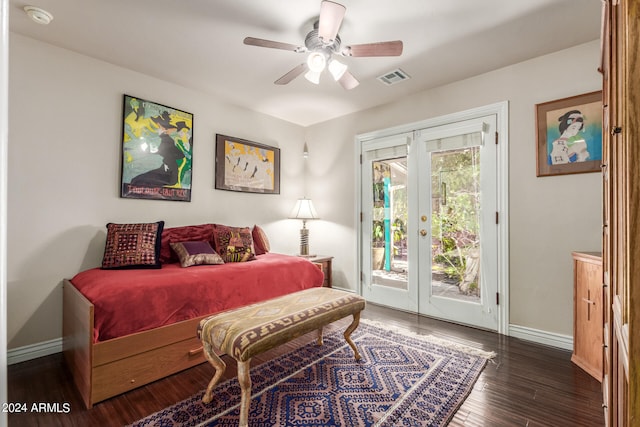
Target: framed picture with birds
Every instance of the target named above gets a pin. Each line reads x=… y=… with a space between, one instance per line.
x=246 y=166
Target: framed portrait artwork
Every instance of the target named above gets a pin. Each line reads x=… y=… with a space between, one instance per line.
x=157 y=151
x=569 y=135
x=246 y=166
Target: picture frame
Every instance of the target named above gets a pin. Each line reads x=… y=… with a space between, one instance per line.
x=569 y=135
x=157 y=151
x=246 y=166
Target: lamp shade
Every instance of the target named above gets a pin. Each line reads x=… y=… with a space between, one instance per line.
x=337 y=69
x=316 y=61
x=313 y=76
x=304 y=210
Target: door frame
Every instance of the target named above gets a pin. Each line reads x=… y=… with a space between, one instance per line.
x=4 y=179
x=501 y=110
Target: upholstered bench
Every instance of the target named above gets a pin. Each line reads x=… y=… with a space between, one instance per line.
x=245 y=332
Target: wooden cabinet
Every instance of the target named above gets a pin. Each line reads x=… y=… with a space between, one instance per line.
x=325 y=263
x=587 y=312
x=621 y=211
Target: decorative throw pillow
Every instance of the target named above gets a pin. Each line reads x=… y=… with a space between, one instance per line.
x=132 y=246
x=260 y=240
x=234 y=244
x=196 y=253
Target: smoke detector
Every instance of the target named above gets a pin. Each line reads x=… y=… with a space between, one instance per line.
x=38 y=15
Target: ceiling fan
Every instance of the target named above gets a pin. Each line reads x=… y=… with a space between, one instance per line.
x=322 y=43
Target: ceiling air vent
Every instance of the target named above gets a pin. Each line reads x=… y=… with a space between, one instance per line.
x=393 y=77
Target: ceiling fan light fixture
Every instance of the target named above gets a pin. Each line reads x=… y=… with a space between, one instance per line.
x=321 y=43
x=316 y=61
x=313 y=76
x=337 y=69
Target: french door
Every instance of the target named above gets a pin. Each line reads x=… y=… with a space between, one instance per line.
x=429 y=206
x=457 y=238
x=387 y=199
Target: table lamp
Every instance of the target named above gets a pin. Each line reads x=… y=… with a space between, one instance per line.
x=304 y=210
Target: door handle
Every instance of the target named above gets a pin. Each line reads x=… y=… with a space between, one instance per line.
x=423 y=232
x=444 y=193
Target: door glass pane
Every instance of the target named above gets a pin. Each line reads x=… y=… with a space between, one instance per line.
x=455 y=223
x=389 y=241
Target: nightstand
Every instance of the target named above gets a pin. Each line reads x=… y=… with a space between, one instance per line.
x=325 y=261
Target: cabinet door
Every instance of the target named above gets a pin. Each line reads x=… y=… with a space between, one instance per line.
x=621 y=156
x=588 y=315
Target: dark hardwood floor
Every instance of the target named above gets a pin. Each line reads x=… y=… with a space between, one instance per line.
x=525 y=385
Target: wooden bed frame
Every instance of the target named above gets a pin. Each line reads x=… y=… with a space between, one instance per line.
x=108 y=368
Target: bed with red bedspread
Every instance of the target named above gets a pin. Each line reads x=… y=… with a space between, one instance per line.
x=129 y=301
x=123 y=328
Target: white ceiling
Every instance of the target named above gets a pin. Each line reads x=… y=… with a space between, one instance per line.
x=199 y=43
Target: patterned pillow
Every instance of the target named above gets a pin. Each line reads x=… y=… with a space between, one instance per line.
x=260 y=240
x=132 y=246
x=234 y=244
x=196 y=253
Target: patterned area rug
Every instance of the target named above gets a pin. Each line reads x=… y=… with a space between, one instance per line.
x=403 y=379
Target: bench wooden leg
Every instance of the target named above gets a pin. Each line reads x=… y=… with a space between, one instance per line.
x=218 y=365
x=245 y=386
x=320 y=341
x=347 y=334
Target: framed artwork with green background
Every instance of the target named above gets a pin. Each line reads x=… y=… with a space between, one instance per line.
x=157 y=151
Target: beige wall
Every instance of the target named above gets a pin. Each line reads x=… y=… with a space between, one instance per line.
x=65 y=124
x=549 y=217
x=65 y=118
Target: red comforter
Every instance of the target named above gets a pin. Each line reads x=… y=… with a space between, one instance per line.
x=128 y=301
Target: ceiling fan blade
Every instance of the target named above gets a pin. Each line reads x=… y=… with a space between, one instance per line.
x=347 y=81
x=252 y=41
x=392 y=48
x=331 y=15
x=295 y=72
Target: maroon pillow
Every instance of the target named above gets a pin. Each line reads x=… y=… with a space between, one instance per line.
x=234 y=244
x=132 y=246
x=196 y=253
x=188 y=233
x=260 y=240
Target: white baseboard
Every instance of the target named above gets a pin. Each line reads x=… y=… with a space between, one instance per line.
x=33 y=351
x=552 y=339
